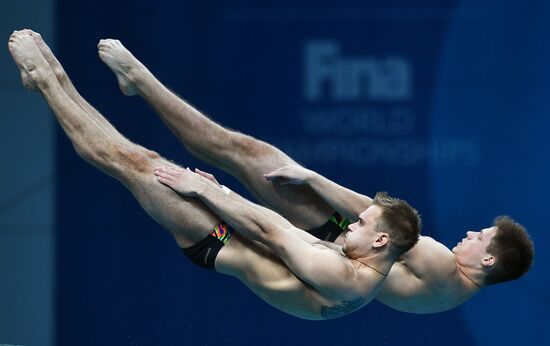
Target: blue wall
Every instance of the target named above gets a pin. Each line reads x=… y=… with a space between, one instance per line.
x=442 y=105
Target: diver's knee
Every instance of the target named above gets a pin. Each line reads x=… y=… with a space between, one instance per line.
x=135 y=158
x=250 y=147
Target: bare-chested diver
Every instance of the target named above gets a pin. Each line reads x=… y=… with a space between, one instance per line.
x=287 y=267
x=429 y=278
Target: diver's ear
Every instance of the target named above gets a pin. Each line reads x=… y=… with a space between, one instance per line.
x=488 y=261
x=382 y=240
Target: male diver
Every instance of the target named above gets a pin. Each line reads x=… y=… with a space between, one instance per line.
x=427 y=279
x=287 y=267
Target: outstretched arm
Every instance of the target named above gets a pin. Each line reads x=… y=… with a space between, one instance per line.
x=326 y=270
x=347 y=202
x=243 y=215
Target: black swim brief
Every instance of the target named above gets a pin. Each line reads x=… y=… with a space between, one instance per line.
x=331 y=229
x=204 y=252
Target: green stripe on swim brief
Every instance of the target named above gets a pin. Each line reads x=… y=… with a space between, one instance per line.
x=340 y=221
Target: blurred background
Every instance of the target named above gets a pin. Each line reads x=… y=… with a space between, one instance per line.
x=443 y=103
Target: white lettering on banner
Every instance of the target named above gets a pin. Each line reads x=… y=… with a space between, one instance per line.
x=399 y=153
x=396 y=121
x=357 y=111
x=354 y=79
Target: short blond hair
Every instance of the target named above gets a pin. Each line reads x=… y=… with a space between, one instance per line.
x=399 y=220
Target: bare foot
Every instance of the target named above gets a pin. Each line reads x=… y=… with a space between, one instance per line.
x=28 y=58
x=48 y=55
x=27 y=81
x=121 y=62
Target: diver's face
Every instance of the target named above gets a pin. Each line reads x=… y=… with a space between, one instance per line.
x=361 y=235
x=472 y=249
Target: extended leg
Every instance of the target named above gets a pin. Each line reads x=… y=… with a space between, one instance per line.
x=99 y=143
x=240 y=155
x=68 y=86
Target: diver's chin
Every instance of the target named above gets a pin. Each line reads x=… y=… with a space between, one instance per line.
x=345 y=249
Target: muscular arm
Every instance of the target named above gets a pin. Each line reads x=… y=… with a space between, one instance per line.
x=345 y=201
x=253 y=221
x=325 y=270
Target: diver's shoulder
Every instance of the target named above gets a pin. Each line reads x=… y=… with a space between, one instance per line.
x=426 y=243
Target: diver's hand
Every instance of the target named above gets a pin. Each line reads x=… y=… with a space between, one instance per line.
x=290 y=174
x=183 y=181
x=208 y=176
